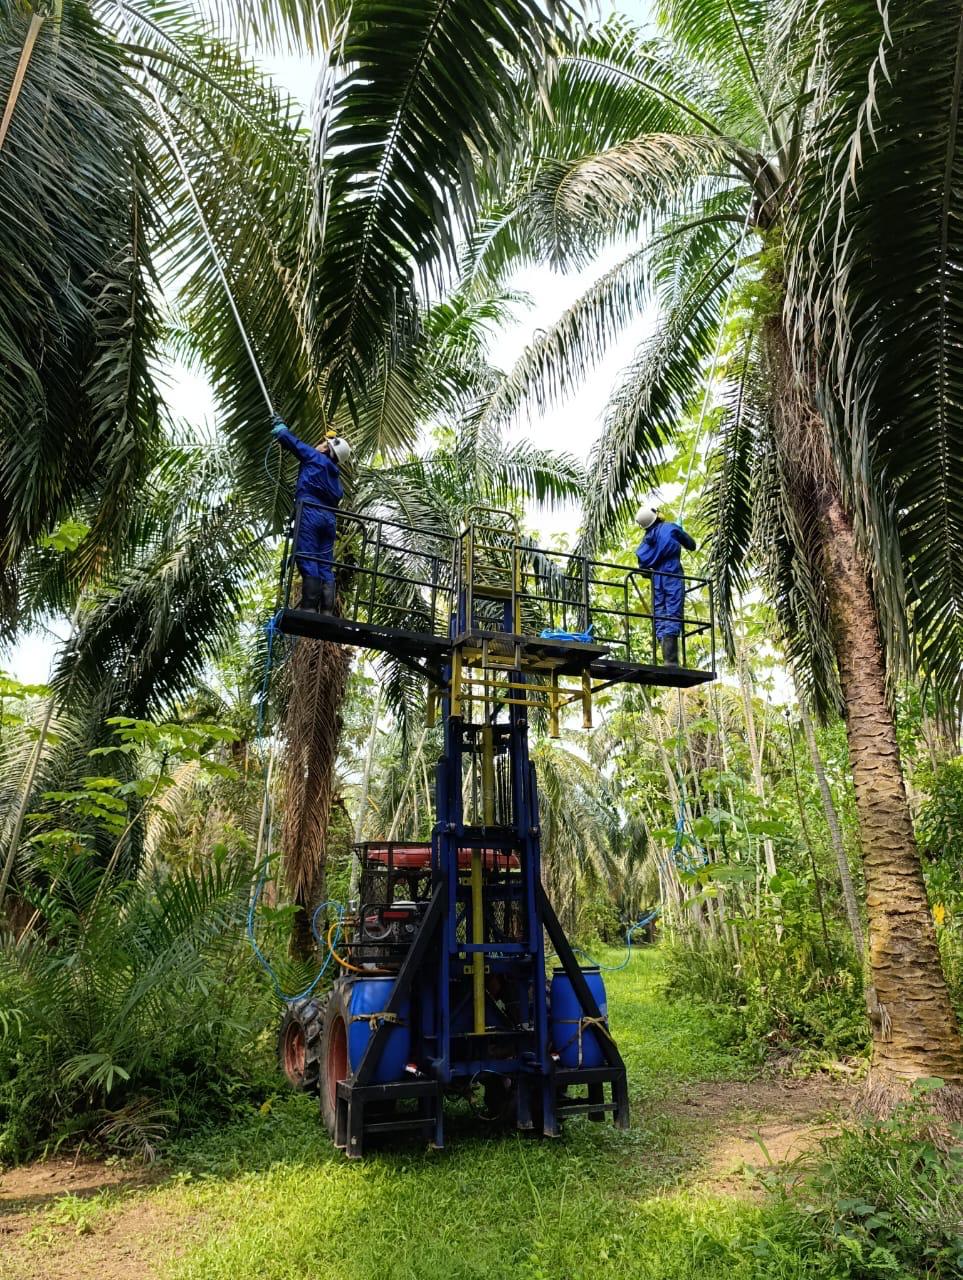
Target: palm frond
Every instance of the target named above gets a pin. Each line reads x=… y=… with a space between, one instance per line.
x=568 y=208
x=787 y=542
x=147 y=635
x=78 y=325
x=660 y=385
x=733 y=40
x=728 y=500
x=883 y=178
x=395 y=191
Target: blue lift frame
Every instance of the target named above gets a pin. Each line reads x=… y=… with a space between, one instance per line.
x=460 y=963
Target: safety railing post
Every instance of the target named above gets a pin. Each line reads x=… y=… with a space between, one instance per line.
x=712 y=625
x=287 y=558
x=655 y=638
x=469 y=581
x=586 y=602
x=356 y=601
x=374 y=572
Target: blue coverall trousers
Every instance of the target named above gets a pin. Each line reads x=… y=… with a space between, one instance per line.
x=314 y=553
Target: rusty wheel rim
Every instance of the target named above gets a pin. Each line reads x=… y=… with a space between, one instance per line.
x=295 y=1053
x=337 y=1063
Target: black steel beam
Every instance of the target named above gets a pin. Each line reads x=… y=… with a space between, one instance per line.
x=571 y=966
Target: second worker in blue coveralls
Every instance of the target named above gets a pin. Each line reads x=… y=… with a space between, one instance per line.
x=661 y=549
x=319 y=491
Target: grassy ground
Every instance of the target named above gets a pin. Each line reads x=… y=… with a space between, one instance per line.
x=269 y=1198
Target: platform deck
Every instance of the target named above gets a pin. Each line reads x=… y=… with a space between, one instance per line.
x=566 y=657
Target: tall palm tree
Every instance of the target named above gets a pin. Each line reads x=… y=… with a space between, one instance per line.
x=326 y=244
x=96 y=226
x=731 y=151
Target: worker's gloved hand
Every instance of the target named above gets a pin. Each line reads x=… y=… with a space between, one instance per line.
x=277 y=424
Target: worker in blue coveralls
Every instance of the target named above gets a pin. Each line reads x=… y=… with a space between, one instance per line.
x=319 y=490
x=661 y=549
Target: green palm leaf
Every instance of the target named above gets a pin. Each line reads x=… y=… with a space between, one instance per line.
x=395 y=189
x=878 y=245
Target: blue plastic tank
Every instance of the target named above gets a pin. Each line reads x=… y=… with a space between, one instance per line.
x=567 y=1015
x=368 y=996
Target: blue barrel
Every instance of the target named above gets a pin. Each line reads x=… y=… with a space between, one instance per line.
x=576 y=1043
x=367 y=996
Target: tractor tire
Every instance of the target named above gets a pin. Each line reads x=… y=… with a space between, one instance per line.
x=333 y=1053
x=299 y=1044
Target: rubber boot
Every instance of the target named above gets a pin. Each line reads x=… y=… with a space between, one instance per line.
x=327 y=598
x=311 y=589
x=670 y=651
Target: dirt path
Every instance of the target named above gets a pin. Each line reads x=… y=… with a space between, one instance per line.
x=750 y=1125
x=60 y=1221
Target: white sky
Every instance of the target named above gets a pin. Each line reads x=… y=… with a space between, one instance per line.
x=572 y=427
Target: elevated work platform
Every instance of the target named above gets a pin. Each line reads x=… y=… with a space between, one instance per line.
x=495 y=600
x=446 y=988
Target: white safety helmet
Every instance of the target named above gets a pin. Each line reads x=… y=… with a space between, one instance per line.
x=646 y=517
x=340 y=449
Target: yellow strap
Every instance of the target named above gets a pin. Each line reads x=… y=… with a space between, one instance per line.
x=374 y=1020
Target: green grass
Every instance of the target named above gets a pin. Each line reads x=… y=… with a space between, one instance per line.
x=280 y=1204
x=267 y=1198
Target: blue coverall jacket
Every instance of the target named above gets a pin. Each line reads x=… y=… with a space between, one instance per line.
x=661 y=548
x=319 y=482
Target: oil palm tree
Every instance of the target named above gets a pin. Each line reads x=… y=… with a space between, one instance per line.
x=732 y=151
x=325 y=243
x=99 y=233
x=200 y=550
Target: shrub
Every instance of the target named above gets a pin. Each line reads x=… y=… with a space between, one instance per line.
x=133 y=1013
x=774 y=998
x=885 y=1198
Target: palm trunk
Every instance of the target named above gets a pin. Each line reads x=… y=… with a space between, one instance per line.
x=915 y=1031
x=317 y=676
x=835 y=834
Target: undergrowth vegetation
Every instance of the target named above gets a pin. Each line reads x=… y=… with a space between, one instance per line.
x=132 y=1014
x=775 y=1004
x=882 y=1197
x=265 y=1195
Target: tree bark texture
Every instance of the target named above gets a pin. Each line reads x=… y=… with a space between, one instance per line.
x=915 y=1030
x=317 y=680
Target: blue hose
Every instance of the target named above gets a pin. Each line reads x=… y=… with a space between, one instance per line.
x=271 y=631
x=265 y=962
x=633 y=928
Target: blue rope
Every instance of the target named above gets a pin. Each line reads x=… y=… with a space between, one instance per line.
x=271 y=630
x=633 y=928
x=265 y=962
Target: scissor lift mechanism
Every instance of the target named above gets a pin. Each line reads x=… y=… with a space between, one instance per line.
x=467 y=613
